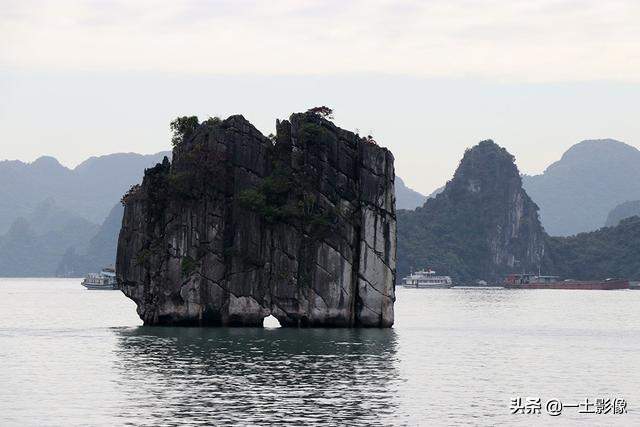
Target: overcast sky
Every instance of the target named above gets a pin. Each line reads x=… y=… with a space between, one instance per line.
x=426 y=78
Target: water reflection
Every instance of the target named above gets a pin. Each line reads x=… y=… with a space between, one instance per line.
x=252 y=376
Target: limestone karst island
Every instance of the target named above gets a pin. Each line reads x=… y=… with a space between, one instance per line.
x=240 y=226
x=310 y=213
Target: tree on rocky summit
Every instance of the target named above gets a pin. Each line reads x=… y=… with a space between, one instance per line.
x=324 y=112
x=182 y=128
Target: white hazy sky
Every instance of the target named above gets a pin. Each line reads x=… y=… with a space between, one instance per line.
x=426 y=78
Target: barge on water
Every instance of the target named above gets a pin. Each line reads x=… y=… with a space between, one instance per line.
x=534 y=281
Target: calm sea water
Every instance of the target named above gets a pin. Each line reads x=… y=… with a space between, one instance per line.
x=455 y=357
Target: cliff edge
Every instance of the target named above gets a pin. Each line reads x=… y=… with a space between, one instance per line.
x=239 y=226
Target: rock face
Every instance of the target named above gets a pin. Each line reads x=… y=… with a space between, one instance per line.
x=240 y=226
x=481 y=226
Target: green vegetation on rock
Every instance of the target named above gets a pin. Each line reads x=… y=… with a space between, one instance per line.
x=484 y=226
x=284 y=195
x=188 y=265
x=480 y=227
x=604 y=253
x=182 y=128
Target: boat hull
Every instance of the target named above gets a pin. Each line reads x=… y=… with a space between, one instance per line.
x=427 y=286
x=586 y=285
x=113 y=287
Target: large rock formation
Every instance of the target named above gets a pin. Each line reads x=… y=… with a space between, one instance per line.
x=240 y=226
x=481 y=226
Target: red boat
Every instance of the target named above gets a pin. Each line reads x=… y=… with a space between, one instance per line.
x=533 y=281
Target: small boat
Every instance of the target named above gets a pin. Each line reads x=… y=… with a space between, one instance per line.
x=533 y=281
x=426 y=279
x=105 y=280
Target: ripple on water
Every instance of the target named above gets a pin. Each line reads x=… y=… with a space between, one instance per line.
x=455 y=357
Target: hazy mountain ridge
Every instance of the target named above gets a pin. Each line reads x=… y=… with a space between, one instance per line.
x=99 y=252
x=407 y=198
x=484 y=226
x=622 y=211
x=49 y=214
x=35 y=243
x=576 y=193
x=89 y=190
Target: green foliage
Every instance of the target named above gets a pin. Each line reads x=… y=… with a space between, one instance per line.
x=212 y=121
x=253 y=200
x=314 y=134
x=287 y=196
x=182 y=128
x=457 y=232
x=608 y=252
x=201 y=171
x=188 y=265
x=272 y=198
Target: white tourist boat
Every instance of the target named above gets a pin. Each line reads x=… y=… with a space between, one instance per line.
x=105 y=280
x=426 y=279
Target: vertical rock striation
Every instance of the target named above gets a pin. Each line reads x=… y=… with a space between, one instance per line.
x=241 y=226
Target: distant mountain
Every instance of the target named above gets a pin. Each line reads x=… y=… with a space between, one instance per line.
x=49 y=213
x=89 y=190
x=622 y=211
x=407 y=198
x=35 y=243
x=481 y=226
x=576 y=193
x=100 y=250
